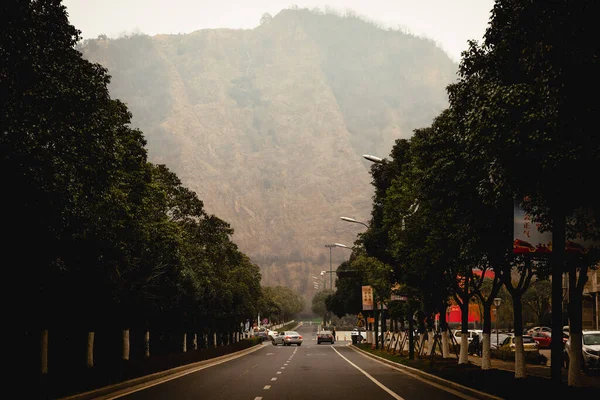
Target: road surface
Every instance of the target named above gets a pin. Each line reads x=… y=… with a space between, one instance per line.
x=309 y=371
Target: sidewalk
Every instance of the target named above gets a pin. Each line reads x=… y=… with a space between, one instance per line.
x=542 y=371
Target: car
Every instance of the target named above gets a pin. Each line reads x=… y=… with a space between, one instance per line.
x=471 y=334
x=501 y=337
x=543 y=338
x=271 y=334
x=358 y=335
x=539 y=329
x=529 y=345
x=287 y=338
x=325 y=336
x=590 y=350
x=261 y=334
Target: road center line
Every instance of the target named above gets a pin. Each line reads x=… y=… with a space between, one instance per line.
x=375 y=381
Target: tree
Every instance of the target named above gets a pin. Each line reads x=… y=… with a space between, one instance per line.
x=537 y=299
x=265 y=19
x=530 y=67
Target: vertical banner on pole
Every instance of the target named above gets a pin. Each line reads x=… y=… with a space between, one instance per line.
x=367 y=298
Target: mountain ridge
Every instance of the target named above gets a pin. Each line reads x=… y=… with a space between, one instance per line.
x=268 y=125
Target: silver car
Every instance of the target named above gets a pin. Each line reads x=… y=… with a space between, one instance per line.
x=287 y=338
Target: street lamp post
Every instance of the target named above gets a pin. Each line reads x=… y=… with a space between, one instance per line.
x=330 y=269
x=497 y=302
x=348 y=219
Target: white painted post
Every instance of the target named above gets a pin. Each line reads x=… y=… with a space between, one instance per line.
x=147 y=344
x=125 y=355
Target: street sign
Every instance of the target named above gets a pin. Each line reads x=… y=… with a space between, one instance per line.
x=360 y=323
x=360 y=316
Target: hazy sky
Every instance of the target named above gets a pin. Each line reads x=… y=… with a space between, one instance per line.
x=449 y=22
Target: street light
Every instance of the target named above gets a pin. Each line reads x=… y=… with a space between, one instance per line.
x=497 y=302
x=330 y=269
x=373 y=158
x=348 y=219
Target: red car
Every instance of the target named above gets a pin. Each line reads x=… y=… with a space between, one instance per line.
x=543 y=339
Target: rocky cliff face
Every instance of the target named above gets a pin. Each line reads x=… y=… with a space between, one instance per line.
x=268 y=125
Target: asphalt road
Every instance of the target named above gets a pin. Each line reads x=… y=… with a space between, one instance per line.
x=309 y=371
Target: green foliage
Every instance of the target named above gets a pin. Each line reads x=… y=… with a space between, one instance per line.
x=103 y=237
x=280 y=303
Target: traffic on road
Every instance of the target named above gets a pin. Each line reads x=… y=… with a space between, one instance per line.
x=292 y=372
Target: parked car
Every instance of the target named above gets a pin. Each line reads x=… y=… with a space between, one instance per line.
x=325 y=336
x=590 y=350
x=529 y=345
x=358 y=335
x=471 y=333
x=501 y=338
x=287 y=338
x=539 y=329
x=542 y=338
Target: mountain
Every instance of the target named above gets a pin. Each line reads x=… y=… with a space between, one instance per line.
x=268 y=125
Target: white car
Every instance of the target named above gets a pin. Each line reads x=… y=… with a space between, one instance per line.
x=271 y=334
x=471 y=332
x=590 y=349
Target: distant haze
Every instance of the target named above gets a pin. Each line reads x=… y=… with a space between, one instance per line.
x=448 y=22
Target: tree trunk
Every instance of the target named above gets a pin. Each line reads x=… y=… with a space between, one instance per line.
x=195 y=342
x=125 y=345
x=90 y=350
x=445 y=331
x=486 y=354
x=464 y=332
x=215 y=339
x=557 y=265
x=575 y=327
x=44 y=352
x=184 y=344
x=430 y=341
x=520 y=371
x=376 y=327
x=411 y=340
x=147 y=344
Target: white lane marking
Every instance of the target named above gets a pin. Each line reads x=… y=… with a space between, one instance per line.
x=267 y=387
x=282 y=367
x=434 y=384
x=273 y=379
x=278 y=372
x=375 y=381
x=143 y=386
x=258 y=398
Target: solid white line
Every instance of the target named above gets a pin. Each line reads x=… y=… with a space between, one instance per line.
x=375 y=381
x=435 y=384
x=143 y=386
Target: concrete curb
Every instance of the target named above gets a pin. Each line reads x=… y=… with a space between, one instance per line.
x=172 y=373
x=441 y=381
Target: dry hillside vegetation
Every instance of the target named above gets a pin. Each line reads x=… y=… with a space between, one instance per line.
x=268 y=125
